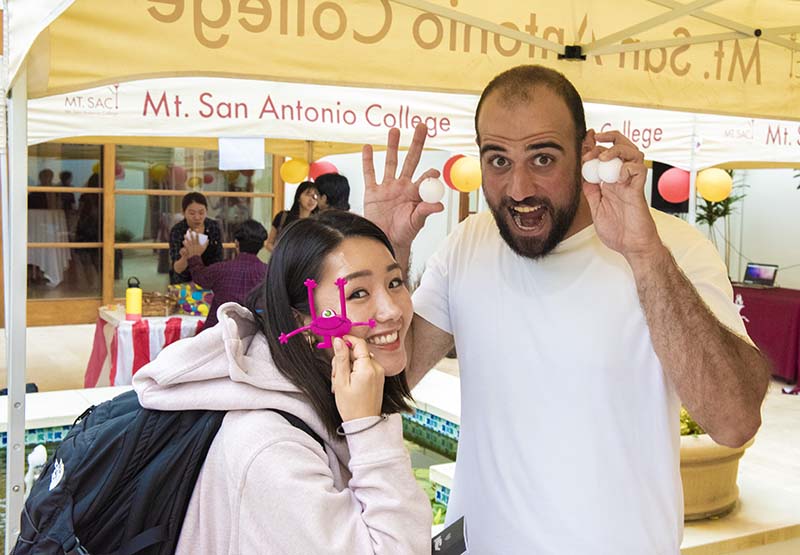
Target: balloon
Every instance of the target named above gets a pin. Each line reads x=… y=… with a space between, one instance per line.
x=448 y=167
x=294 y=170
x=178 y=176
x=96 y=167
x=208 y=178
x=466 y=174
x=247 y=173
x=673 y=185
x=320 y=167
x=158 y=172
x=231 y=176
x=194 y=182
x=714 y=184
x=119 y=171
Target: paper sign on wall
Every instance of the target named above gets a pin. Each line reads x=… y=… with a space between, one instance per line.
x=241 y=153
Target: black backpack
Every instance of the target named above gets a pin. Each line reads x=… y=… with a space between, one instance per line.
x=120 y=482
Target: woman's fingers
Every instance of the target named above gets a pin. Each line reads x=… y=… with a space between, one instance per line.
x=340 y=376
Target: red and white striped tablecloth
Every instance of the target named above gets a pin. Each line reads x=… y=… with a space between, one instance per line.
x=121 y=347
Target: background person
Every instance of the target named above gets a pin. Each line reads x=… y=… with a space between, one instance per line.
x=195 y=209
x=231 y=280
x=334 y=191
x=306 y=199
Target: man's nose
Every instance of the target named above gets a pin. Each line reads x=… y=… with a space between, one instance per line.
x=522 y=184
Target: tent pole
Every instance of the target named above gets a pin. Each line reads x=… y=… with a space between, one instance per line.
x=15 y=220
x=693 y=177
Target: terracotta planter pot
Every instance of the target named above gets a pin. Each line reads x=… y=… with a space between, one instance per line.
x=708 y=473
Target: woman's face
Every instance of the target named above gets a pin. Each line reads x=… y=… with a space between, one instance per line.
x=195 y=215
x=374 y=290
x=309 y=199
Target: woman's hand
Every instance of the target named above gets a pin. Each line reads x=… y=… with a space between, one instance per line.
x=357 y=379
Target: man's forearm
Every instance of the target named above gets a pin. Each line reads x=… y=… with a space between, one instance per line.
x=720 y=378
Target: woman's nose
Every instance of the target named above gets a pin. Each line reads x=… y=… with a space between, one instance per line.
x=387 y=308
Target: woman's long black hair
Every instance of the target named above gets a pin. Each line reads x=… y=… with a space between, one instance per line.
x=299 y=256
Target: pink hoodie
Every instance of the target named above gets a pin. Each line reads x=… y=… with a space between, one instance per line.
x=267 y=487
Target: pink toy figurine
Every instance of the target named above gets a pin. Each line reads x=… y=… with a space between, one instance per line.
x=328 y=324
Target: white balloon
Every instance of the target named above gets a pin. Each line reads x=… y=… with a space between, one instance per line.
x=431 y=190
x=609 y=170
x=589 y=170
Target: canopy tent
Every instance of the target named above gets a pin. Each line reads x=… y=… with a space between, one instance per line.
x=735 y=57
x=727 y=56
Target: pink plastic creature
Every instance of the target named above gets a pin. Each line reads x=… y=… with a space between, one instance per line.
x=328 y=324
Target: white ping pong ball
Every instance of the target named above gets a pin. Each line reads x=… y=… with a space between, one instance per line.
x=589 y=170
x=431 y=190
x=609 y=170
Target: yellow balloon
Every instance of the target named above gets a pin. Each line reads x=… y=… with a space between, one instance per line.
x=714 y=184
x=158 y=172
x=96 y=167
x=294 y=170
x=466 y=174
x=194 y=182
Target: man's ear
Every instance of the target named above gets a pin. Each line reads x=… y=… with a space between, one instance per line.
x=588 y=142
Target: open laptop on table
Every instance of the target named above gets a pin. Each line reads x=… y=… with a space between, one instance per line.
x=759 y=275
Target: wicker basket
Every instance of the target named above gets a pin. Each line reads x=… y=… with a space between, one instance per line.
x=158 y=304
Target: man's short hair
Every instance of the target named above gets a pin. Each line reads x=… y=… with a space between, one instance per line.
x=251 y=236
x=194 y=196
x=336 y=188
x=516 y=83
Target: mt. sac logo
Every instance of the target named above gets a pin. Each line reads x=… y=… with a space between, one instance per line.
x=99 y=101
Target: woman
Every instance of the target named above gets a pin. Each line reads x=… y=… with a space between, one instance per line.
x=266 y=486
x=304 y=205
x=195 y=210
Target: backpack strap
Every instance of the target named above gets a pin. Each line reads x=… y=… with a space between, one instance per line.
x=300 y=425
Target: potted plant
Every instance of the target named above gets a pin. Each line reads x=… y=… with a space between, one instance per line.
x=708 y=472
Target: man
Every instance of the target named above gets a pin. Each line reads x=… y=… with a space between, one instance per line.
x=582 y=319
x=334 y=191
x=231 y=280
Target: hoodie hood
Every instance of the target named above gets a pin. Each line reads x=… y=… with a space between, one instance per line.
x=227 y=367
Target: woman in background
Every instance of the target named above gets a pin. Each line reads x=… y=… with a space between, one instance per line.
x=195 y=211
x=305 y=203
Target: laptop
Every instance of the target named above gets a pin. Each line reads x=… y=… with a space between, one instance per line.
x=760 y=275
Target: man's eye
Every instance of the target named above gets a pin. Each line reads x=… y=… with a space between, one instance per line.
x=542 y=160
x=499 y=162
x=328 y=313
x=396 y=282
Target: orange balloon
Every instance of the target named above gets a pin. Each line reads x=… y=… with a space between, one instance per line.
x=714 y=184
x=466 y=174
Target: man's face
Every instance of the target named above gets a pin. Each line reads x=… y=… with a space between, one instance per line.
x=531 y=171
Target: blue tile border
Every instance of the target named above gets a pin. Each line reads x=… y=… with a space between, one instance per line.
x=35 y=436
x=435 y=423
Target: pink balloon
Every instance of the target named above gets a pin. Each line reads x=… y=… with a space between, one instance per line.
x=446 y=170
x=178 y=175
x=208 y=178
x=673 y=185
x=318 y=168
x=119 y=171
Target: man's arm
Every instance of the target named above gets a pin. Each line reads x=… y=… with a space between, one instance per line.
x=425 y=353
x=721 y=379
x=204 y=276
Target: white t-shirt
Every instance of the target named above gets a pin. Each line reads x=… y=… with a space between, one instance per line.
x=569 y=439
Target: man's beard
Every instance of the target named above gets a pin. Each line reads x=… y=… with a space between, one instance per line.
x=535 y=247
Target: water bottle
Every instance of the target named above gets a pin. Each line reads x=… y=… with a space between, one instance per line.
x=133 y=300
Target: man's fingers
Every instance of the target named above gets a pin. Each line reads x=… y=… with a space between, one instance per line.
x=392 y=143
x=414 y=151
x=368 y=165
x=423 y=210
x=430 y=172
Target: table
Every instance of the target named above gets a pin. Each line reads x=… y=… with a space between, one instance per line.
x=121 y=347
x=772 y=319
x=49 y=226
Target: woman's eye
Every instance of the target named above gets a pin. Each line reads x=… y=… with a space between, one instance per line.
x=328 y=313
x=542 y=160
x=357 y=294
x=499 y=162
